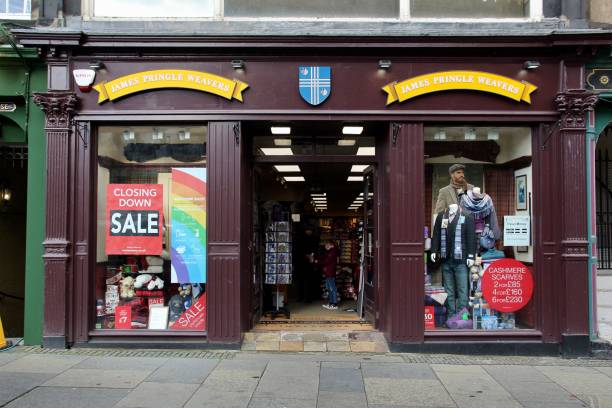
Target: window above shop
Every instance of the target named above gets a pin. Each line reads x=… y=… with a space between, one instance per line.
x=314 y=9
x=15 y=9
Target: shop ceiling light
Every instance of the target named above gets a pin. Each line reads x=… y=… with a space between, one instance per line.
x=347 y=142
x=157 y=134
x=238 y=64
x=280 y=130
x=352 y=130
x=384 y=64
x=366 y=151
x=354 y=178
x=294 y=178
x=282 y=142
x=492 y=135
x=319 y=199
x=440 y=135
x=470 y=134
x=276 y=151
x=358 y=168
x=318 y=194
x=531 y=64
x=287 y=168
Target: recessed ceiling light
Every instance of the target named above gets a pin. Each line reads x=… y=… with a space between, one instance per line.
x=277 y=151
x=318 y=194
x=492 y=135
x=282 y=142
x=366 y=151
x=440 y=135
x=287 y=168
x=346 y=142
x=358 y=168
x=280 y=130
x=352 y=130
x=470 y=134
x=354 y=178
x=294 y=178
x=319 y=200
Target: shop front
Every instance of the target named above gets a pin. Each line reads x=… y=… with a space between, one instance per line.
x=158 y=165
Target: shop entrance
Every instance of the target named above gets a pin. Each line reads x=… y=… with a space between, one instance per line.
x=314 y=223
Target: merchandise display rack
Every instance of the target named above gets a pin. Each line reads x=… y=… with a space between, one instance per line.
x=278 y=265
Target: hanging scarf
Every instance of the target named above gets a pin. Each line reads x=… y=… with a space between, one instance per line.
x=457 y=247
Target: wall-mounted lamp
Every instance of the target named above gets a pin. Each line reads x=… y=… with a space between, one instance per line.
x=531 y=64
x=238 y=64
x=6 y=193
x=96 y=65
x=384 y=64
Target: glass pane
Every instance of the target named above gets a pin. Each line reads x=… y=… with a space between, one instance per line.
x=479 y=264
x=153 y=8
x=151 y=228
x=3 y=4
x=16 y=6
x=312 y=8
x=469 y=8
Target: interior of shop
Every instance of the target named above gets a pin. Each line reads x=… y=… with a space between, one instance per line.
x=483 y=175
x=310 y=218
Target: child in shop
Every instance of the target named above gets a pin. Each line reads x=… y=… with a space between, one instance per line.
x=328 y=262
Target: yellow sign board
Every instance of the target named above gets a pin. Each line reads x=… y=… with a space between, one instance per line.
x=453 y=80
x=170 y=78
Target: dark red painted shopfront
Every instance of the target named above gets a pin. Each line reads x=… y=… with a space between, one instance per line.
x=556 y=116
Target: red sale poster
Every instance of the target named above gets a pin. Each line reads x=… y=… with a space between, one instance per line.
x=193 y=318
x=507 y=285
x=430 y=322
x=123 y=317
x=134 y=219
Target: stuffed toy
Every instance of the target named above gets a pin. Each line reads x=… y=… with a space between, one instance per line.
x=149 y=281
x=127 y=287
x=185 y=293
x=176 y=308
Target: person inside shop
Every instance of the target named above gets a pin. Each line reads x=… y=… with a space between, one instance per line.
x=453 y=242
x=308 y=279
x=452 y=193
x=328 y=262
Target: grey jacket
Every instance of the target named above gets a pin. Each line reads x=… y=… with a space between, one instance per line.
x=447 y=196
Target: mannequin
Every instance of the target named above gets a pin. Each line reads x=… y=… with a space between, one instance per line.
x=453 y=242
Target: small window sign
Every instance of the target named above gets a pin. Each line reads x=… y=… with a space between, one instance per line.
x=7 y=107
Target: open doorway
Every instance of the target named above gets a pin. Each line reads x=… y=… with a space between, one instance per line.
x=314 y=222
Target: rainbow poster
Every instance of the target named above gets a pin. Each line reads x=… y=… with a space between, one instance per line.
x=188 y=225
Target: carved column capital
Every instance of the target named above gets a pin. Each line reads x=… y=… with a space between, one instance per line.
x=573 y=106
x=58 y=107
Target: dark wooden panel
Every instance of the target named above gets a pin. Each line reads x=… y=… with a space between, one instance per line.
x=406 y=181
x=224 y=227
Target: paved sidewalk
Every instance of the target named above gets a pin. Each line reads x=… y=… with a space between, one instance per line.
x=92 y=378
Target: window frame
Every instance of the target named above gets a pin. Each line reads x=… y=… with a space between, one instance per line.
x=17 y=16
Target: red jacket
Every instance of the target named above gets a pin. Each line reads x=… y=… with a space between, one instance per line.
x=328 y=261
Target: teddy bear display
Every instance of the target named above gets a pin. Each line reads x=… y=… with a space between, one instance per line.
x=185 y=293
x=149 y=281
x=127 y=287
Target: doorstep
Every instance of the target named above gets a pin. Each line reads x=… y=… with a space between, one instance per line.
x=361 y=341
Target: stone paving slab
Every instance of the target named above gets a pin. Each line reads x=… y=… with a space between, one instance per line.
x=397 y=370
x=6 y=357
x=40 y=363
x=232 y=381
x=573 y=380
x=122 y=363
x=12 y=385
x=290 y=380
x=158 y=395
x=340 y=380
x=336 y=399
x=407 y=392
x=315 y=346
x=80 y=377
x=281 y=403
x=207 y=397
x=183 y=371
x=46 y=397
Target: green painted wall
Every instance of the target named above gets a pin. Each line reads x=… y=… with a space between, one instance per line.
x=35 y=233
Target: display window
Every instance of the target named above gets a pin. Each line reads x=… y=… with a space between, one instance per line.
x=479 y=271
x=151 y=228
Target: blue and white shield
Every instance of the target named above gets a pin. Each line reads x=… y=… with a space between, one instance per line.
x=315 y=84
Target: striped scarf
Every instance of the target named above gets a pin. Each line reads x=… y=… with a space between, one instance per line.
x=457 y=251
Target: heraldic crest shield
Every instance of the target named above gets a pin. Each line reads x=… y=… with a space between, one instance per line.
x=315 y=84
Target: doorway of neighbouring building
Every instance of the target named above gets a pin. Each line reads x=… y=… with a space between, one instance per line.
x=314 y=222
x=13 y=190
